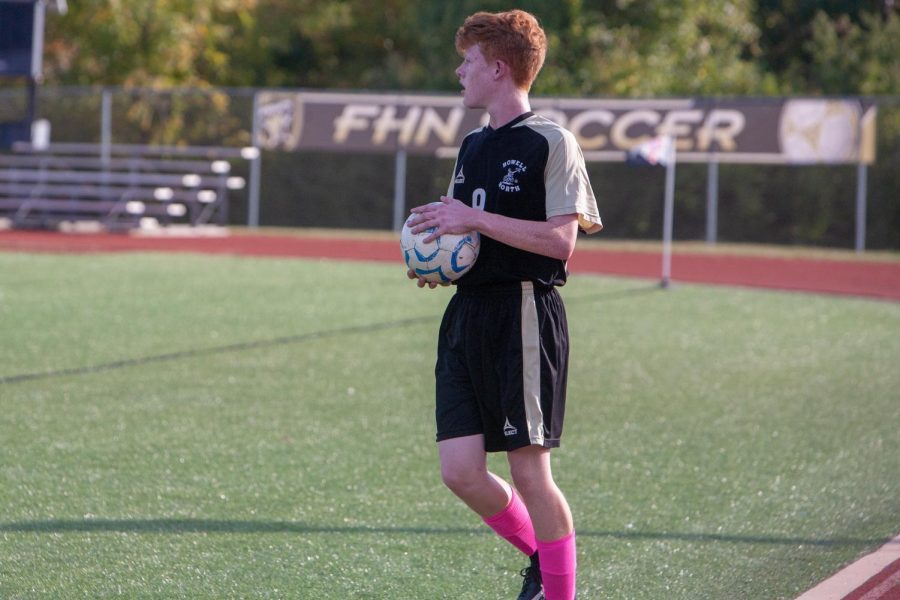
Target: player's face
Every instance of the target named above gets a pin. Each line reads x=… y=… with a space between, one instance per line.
x=475 y=76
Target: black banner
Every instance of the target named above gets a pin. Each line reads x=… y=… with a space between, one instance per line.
x=764 y=131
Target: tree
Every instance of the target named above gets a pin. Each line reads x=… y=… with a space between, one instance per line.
x=608 y=47
x=159 y=45
x=666 y=48
x=798 y=39
x=155 y=44
x=850 y=57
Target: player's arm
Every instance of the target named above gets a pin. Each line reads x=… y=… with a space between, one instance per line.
x=554 y=237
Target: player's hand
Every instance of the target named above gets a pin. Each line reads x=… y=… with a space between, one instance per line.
x=447 y=216
x=422 y=282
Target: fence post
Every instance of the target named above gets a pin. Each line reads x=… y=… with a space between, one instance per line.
x=253 y=184
x=861 y=185
x=105 y=126
x=712 y=201
x=399 y=189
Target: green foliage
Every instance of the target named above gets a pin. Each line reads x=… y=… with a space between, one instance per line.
x=849 y=57
x=799 y=39
x=643 y=49
x=622 y=47
x=159 y=45
x=351 y=44
x=152 y=44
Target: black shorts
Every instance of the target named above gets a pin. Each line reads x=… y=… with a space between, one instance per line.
x=502 y=364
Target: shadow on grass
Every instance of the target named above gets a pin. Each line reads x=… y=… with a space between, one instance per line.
x=274 y=342
x=617 y=294
x=230 y=348
x=222 y=526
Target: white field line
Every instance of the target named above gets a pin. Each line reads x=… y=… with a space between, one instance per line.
x=850 y=578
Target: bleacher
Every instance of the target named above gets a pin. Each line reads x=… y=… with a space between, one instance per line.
x=116 y=187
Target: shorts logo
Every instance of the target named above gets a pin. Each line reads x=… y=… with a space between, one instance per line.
x=508 y=429
x=510 y=183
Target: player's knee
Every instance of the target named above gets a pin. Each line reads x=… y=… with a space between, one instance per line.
x=459 y=480
x=454 y=478
x=530 y=482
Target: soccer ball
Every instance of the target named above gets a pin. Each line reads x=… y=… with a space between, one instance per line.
x=443 y=260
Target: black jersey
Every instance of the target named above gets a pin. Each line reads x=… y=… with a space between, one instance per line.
x=530 y=169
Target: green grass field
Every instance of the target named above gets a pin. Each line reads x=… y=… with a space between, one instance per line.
x=180 y=426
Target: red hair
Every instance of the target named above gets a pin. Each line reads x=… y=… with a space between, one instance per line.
x=515 y=37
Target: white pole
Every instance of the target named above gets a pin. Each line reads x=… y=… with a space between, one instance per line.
x=37 y=42
x=668 y=218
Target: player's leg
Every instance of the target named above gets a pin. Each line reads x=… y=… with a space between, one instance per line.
x=545 y=364
x=464 y=471
x=552 y=519
x=533 y=478
x=465 y=430
x=466 y=372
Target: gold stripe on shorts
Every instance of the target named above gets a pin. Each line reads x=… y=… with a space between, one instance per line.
x=531 y=365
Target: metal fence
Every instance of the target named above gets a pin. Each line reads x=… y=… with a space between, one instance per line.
x=810 y=204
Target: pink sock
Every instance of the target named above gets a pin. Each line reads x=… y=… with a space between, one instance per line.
x=558 y=567
x=514 y=525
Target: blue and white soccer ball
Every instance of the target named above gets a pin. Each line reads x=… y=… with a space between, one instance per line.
x=442 y=260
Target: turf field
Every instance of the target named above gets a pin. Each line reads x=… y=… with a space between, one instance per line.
x=183 y=426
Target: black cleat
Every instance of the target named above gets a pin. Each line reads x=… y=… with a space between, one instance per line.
x=532 y=589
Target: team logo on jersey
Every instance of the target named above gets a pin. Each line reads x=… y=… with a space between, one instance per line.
x=460 y=178
x=510 y=183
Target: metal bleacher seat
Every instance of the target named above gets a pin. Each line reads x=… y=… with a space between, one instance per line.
x=116 y=187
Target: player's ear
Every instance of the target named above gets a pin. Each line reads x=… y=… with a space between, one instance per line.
x=500 y=69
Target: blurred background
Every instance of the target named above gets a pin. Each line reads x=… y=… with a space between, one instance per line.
x=186 y=72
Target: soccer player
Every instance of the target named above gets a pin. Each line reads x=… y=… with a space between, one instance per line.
x=503 y=345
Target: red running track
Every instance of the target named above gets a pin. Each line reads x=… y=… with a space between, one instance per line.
x=867 y=278
x=885 y=585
